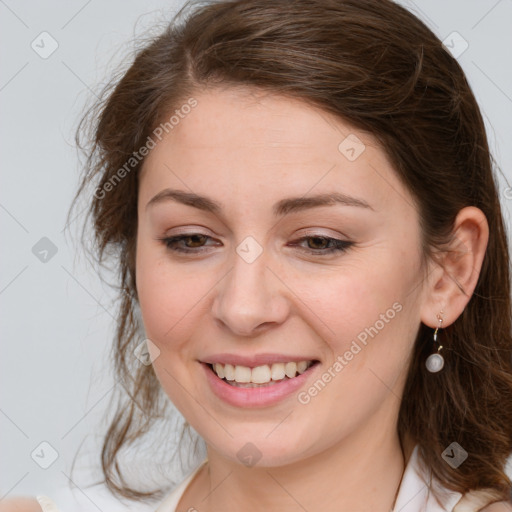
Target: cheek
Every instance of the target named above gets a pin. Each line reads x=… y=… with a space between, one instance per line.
x=348 y=302
x=163 y=296
x=167 y=298
x=156 y=303
x=371 y=317
x=370 y=314
x=171 y=297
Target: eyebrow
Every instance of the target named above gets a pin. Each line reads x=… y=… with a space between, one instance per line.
x=281 y=208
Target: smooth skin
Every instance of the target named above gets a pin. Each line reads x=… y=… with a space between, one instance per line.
x=248 y=150
x=19 y=504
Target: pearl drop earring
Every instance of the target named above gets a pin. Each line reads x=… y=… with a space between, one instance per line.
x=435 y=361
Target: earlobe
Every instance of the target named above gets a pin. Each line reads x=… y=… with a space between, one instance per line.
x=453 y=280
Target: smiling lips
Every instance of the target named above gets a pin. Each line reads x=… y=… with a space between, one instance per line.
x=264 y=374
x=260 y=380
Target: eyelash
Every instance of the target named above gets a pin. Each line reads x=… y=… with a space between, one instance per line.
x=340 y=246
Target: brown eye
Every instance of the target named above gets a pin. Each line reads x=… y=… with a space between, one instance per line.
x=318 y=242
x=322 y=245
x=187 y=243
x=197 y=240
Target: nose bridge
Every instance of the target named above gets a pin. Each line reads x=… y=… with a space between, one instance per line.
x=249 y=295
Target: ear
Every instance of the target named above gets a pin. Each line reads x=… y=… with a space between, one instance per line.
x=454 y=275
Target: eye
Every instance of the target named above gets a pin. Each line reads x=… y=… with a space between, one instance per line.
x=322 y=245
x=193 y=241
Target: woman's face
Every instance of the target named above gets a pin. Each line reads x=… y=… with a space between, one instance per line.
x=242 y=180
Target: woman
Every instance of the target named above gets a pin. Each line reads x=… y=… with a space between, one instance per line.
x=301 y=202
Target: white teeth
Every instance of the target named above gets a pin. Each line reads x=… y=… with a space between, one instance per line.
x=219 y=370
x=229 y=371
x=260 y=374
x=242 y=374
x=302 y=366
x=277 y=371
x=290 y=369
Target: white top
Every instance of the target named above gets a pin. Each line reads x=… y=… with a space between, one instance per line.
x=413 y=493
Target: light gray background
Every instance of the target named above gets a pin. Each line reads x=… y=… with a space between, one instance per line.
x=57 y=317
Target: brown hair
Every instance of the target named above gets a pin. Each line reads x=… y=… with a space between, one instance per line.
x=371 y=63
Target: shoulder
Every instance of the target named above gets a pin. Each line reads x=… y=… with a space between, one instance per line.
x=501 y=506
x=20 y=505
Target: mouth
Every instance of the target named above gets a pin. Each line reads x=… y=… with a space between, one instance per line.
x=260 y=376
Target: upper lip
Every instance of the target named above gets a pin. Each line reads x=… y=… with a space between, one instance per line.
x=255 y=360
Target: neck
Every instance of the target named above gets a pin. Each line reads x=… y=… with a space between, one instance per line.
x=360 y=473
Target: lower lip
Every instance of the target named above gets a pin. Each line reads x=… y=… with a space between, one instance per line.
x=255 y=397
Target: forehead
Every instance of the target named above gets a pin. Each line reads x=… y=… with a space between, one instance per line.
x=236 y=139
x=235 y=119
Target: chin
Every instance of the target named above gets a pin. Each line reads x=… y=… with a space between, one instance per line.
x=257 y=450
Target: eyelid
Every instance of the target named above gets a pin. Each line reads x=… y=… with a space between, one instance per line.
x=317 y=232
x=194 y=229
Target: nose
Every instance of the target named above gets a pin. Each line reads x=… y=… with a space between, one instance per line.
x=250 y=298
